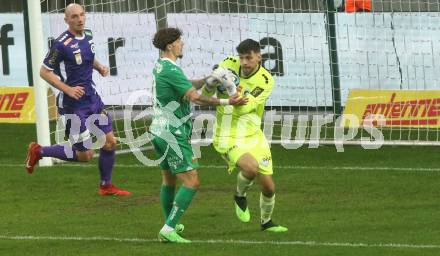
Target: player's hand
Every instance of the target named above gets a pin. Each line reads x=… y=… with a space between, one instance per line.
x=226 y=78
x=104 y=70
x=237 y=100
x=75 y=92
x=217 y=77
x=221 y=75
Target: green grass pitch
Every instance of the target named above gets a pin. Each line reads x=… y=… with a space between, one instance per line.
x=360 y=202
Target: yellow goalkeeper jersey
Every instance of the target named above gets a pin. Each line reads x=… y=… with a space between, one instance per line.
x=243 y=121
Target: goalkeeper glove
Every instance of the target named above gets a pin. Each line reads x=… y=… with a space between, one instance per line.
x=211 y=83
x=227 y=78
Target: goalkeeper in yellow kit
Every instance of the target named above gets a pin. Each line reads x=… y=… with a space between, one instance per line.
x=238 y=136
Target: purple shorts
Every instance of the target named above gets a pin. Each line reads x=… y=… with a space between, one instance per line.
x=78 y=122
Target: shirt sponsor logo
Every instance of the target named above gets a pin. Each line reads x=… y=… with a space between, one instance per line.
x=68 y=41
x=78 y=58
x=257 y=91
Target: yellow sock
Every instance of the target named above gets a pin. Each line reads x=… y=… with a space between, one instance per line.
x=266 y=205
x=243 y=184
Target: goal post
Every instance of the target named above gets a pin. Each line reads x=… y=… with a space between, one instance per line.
x=317 y=52
x=34 y=22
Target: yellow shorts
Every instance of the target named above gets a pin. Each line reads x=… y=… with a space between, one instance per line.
x=232 y=149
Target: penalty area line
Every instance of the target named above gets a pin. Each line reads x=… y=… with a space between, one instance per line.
x=219 y=241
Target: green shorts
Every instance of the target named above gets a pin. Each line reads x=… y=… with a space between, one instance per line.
x=256 y=145
x=177 y=155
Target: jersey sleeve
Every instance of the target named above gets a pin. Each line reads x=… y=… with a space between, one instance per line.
x=258 y=96
x=180 y=82
x=54 y=56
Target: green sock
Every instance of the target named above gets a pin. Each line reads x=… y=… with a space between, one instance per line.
x=181 y=202
x=167 y=198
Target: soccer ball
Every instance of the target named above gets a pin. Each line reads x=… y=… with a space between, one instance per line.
x=235 y=77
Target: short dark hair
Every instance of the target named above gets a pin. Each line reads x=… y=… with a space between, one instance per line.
x=166 y=36
x=247 y=46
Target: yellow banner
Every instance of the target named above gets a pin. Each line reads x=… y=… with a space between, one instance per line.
x=17 y=105
x=392 y=108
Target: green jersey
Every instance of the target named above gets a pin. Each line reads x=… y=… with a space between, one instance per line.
x=172 y=109
x=243 y=121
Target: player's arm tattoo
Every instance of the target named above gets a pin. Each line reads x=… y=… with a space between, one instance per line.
x=207 y=101
x=198 y=84
x=193 y=96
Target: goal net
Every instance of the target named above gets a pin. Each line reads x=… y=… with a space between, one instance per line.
x=365 y=77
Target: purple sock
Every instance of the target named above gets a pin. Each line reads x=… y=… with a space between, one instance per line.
x=57 y=151
x=106 y=162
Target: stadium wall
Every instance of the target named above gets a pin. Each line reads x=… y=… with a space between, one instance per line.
x=376 y=51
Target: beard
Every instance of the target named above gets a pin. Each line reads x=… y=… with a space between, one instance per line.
x=247 y=72
x=180 y=56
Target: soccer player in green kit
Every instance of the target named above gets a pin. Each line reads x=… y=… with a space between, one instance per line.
x=172 y=127
x=238 y=136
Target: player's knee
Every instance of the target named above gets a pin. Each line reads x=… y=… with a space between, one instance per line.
x=196 y=184
x=85 y=156
x=250 y=169
x=193 y=183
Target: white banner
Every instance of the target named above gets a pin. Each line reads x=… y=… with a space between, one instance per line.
x=376 y=51
x=13 y=66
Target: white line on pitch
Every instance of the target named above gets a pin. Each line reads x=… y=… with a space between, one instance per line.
x=214 y=241
x=330 y=168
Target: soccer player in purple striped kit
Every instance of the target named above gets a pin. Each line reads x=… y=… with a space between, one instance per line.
x=69 y=67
